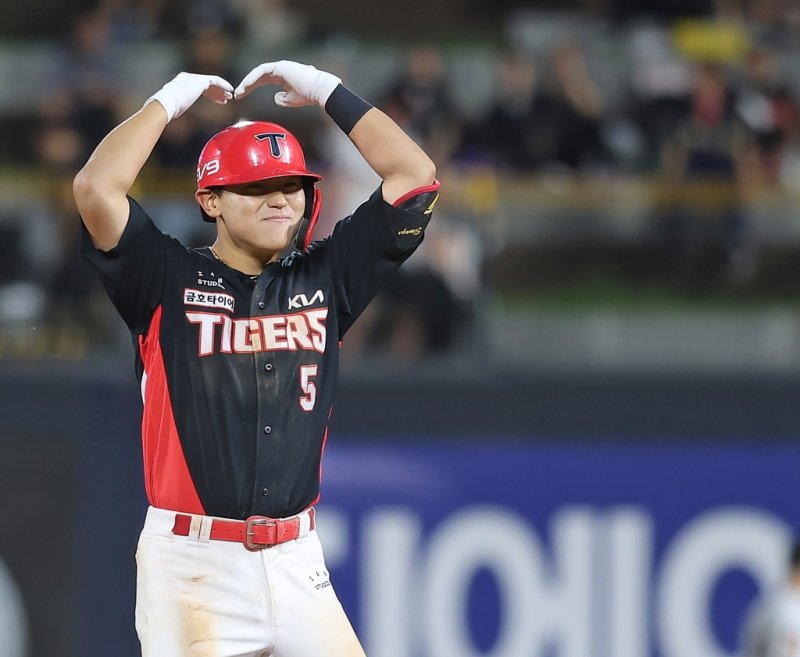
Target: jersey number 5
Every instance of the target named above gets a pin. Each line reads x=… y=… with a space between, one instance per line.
x=307 y=401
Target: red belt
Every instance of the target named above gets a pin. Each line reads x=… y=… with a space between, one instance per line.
x=257 y=532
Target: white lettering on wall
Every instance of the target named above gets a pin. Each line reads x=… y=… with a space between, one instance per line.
x=495 y=539
x=587 y=586
x=391 y=582
x=744 y=538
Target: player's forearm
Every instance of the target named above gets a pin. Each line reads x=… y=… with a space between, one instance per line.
x=394 y=156
x=120 y=156
x=100 y=188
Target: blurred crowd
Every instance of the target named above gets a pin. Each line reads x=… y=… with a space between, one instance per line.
x=713 y=102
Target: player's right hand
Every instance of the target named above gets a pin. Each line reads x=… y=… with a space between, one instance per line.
x=180 y=93
x=302 y=84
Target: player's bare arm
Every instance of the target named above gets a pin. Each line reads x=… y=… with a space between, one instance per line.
x=101 y=186
x=393 y=155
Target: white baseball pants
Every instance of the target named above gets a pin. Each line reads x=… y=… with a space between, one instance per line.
x=197 y=597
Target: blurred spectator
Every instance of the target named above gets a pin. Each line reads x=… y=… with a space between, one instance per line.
x=659 y=85
x=790 y=160
x=581 y=111
x=80 y=107
x=772 y=627
x=778 y=15
x=348 y=184
x=766 y=106
x=416 y=315
x=59 y=146
x=183 y=18
x=426 y=310
x=208 y=51
x=272 y=24
x=22 y=295
x=75 y=299
x=83 y=103
x=531 y=129
x=708 y=234
x=431 y=309
x=133 y=20
x=711 y=135
x=519 y=131
x=419 y=100
x=43 y=283
x=452 y=249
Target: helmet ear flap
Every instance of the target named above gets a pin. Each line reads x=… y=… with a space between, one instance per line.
x=304 y=235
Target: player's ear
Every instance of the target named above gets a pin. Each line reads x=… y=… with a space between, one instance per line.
x=209 y=201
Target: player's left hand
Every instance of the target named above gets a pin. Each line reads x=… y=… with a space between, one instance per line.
x=302 y=84
x=180 y=93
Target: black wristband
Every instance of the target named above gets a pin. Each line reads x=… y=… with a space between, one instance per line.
x=345 y=108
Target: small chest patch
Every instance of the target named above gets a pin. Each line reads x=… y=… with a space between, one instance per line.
x=208 y=299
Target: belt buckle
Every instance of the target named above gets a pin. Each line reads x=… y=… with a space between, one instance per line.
x=249 y=532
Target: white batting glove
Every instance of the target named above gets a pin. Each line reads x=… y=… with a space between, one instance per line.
x=302 y=84
x=180 y=93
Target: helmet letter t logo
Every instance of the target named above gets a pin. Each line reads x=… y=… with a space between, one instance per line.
x=274 y=146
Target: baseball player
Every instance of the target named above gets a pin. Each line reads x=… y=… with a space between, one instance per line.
x=237 y=354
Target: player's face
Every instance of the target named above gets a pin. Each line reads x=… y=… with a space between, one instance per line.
x=262 y=218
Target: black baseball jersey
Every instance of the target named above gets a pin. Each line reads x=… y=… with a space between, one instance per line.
x=238 y=372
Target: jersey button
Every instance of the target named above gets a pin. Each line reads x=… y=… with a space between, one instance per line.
x=267 y=429
x=264 y=492
x=268 y=367
x=261 y=304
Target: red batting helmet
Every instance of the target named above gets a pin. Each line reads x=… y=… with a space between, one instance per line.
x=249 y=151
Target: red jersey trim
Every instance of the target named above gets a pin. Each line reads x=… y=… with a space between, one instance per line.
x=416 y=192
x=321 y=455
x=166 y=475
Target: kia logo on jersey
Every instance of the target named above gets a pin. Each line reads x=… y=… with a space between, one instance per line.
x=274 y=145
x=301 y=300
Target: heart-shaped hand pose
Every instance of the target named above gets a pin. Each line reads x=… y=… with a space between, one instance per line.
x=302 y=84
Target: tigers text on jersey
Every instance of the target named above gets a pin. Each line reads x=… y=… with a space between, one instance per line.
x=238 y=372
